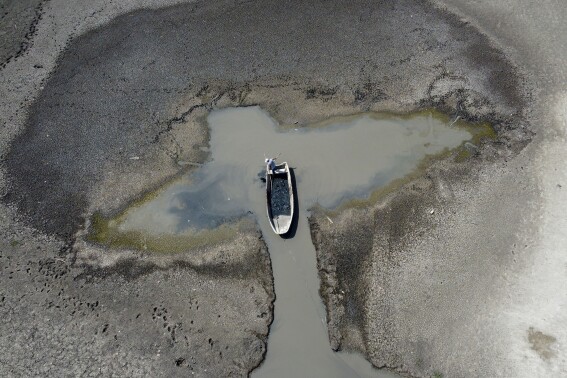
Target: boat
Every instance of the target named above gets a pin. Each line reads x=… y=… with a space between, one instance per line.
x=279 y=196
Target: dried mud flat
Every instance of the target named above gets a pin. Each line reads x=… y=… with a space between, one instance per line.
x=108 y=103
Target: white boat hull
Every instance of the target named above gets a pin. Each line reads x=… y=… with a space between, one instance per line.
x=280 y=205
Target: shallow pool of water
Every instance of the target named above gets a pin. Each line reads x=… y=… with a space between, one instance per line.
x=341 y=159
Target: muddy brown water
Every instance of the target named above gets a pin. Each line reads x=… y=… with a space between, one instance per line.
x=333 y=162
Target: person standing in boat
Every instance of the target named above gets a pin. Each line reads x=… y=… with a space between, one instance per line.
x=271 y=164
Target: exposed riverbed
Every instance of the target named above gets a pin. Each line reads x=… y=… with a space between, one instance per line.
x=335 y=161
x=99 y=102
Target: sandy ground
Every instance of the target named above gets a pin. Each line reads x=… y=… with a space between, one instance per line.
x=459 y=273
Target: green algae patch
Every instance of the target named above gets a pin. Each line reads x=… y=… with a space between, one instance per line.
x=106 y=231
x=99 y=229
x=384 y=190
x=462 y=155
x=480 y=132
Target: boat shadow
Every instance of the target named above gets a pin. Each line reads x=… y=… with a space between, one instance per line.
x=293 y=229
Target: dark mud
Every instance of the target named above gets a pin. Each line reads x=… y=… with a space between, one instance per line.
x=18 y=20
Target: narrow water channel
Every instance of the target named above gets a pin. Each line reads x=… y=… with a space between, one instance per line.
x=298 y=345
x=332 y=162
